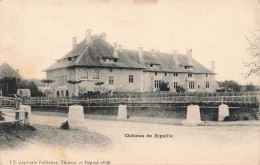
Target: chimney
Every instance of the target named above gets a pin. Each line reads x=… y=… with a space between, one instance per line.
x=175 y=56
x=103 y=36
x=74 y=42
x=141 y=53
x=189 y=56
x=175 y=51
x=120 y=47
x=213 y=66
x=115 y=49
x=88 y=36
x=153 y=52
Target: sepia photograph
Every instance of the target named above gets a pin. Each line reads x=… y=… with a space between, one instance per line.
x=129 y=82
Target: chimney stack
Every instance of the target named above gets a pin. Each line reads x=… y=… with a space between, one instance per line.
x=153 y=52
x=213 y=66
x=141 y=53
x=74 y=42
x=88 y=36
x=189 y=56
x=120 y=48
x=175 y=56
x=103 y=36
x=115 y=49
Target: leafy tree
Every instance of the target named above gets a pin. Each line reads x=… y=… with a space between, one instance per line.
x=230 y=84
x=24 y=84
x=250 y=87
x=163 y=86
x=9 y=85
x=180 y=89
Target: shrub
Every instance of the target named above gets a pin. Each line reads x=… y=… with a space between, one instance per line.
x=65 y=125
x=163 y=86
x=245 y=118
x=227 y=118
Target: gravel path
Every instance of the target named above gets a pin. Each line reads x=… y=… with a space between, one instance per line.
x=106 y=140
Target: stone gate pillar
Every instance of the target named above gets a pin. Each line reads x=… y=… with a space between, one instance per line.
x=193 y=115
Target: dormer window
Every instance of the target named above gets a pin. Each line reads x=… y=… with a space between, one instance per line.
x=154 y=65
x=106 y=60
x=69 y=59
x=187 y=67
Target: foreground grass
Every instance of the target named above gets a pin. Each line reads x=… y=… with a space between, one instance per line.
x=15 y=137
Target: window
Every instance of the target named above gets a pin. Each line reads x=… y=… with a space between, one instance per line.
x=85 y=73
x=154 y=65
x=175 y=74
x=187 y=67
x=109 y=60
x=189 y=75
x=96 y=74
x=131 y=78
x=62 y=80
x=69 y=59
x=58 y=94
x=157 y=84
x=191 y=85
x=207 y=75
x=165 y=74
x=155 y=73
x=111 y=80
x=175 y=84
x=207 y=84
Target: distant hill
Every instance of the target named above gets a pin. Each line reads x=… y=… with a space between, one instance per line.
x=7 y=71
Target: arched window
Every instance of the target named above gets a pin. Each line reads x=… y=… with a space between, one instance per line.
x=96 y=74
x=58 y=94
x=67 y=94
x=85 y=73
x=62 y=94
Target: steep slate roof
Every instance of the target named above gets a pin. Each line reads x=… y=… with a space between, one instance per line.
x=89 y=56
x=165 y=60
x=7 y=71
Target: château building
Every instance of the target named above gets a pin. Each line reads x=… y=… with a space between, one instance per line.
x=96 y=65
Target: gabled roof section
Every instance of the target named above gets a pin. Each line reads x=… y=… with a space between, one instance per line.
x=7 y=71
x=166 y=63
x=89 y=55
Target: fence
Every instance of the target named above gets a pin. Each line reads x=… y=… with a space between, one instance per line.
x=149 y=98
x=9 y=109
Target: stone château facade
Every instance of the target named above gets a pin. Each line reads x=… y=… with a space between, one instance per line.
x=96 y=65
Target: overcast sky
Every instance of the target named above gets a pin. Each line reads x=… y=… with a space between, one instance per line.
x=33 y=34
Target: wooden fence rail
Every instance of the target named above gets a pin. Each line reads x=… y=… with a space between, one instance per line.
x=44 y=101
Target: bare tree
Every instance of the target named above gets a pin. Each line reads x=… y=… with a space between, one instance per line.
x=253 y=63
